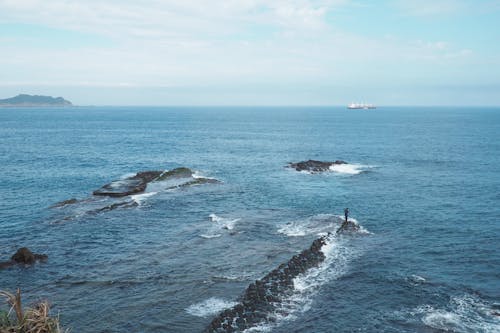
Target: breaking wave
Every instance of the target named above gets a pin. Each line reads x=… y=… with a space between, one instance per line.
x=218 y=225
x=349 y=169
x=209 y=307
x=317 y=225
x=224 y=223
x=465 y=313
x=140 y=198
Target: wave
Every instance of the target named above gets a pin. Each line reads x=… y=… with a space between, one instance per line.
x=464 y=313
x=140 y=198
x=349 y=169
x=209 y=236
x=317 y=225
x=209 y=307
x=224 y=223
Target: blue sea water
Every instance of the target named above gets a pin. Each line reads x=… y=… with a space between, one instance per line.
x=424 y=184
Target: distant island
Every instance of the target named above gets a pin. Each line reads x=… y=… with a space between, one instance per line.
x=24 y=100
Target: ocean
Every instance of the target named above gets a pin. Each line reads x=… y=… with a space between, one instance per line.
x=423 y=184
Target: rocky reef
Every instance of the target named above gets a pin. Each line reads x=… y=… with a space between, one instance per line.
x=24 y=256
x=138 y=183
x=120 y=193
x=131 y=185
x=263 y=296
x=314 y=166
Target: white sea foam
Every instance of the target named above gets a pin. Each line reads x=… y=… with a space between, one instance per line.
x=349 y=169
x=209 y=307
x=127 y=175
x=463 y=314
x=213 y=230
x=140 y=198
x=224 y=223
x=198 y=174
x=317 y=225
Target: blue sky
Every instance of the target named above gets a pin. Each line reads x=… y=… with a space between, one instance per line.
x=252 y=52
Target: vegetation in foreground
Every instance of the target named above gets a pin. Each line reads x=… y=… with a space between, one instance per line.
x=34 y=319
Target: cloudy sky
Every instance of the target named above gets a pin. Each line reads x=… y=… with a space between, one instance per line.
x=252 y=52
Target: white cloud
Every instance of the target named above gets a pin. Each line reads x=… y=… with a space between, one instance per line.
x=195 y=43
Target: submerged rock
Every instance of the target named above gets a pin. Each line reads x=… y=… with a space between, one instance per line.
x=24 y=256
x=64 y=203
x=314 y=166
x=264 y=295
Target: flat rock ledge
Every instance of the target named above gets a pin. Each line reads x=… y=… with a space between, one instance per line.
x=264 y=296
x=314 y=166
x=138 y=183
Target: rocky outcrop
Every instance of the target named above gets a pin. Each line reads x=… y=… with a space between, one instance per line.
x=121 y=191
x=314 y=166
x=131 y=185
x=138 y=183
x=263 y=296
x=24 y=256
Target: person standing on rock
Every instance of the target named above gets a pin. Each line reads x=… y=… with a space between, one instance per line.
x=345 y=223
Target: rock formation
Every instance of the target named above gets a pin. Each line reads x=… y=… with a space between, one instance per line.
x=314 y=166
x=25 y=257
x=265 y=295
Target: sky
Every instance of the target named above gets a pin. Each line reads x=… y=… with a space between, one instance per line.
x=252 y=52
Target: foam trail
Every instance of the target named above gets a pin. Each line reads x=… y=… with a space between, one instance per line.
x=209 y=307
x=140 y=198
x=349 y=169
x=318 y=225
x=225 y=223
x=465 y=313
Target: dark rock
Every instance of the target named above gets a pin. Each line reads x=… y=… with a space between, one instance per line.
x=314 y=166
x=6 y=264
x=128 y=186
x=138 y=183
x=24 y=256
x=64 y=203
x=262 y=297
x=124 y=204
x=175 y=173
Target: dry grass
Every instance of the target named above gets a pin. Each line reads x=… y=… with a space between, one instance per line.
x=30 y=320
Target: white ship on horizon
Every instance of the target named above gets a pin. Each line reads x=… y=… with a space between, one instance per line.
x=361 y=106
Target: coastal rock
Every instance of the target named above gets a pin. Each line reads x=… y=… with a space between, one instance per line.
x=121 y=192
x=23 y=256
x=263 y=296
x=131 y=185
x=138 y=183
x=314 y=166
x=64 y=203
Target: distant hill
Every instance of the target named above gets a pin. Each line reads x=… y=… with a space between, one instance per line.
x=24 y=100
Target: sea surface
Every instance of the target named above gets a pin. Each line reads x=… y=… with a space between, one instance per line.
x=423 y=183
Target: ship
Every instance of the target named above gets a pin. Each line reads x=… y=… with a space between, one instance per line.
x=361 y=106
